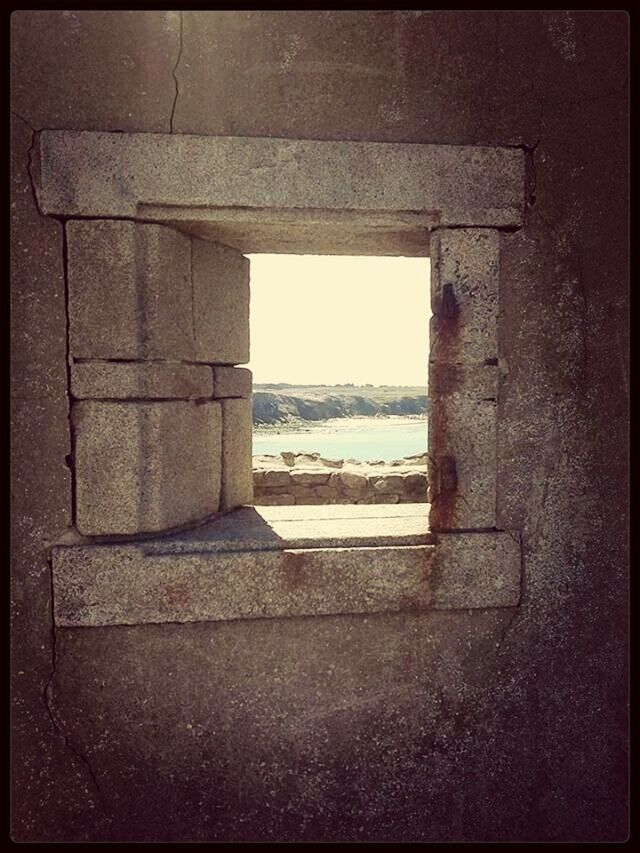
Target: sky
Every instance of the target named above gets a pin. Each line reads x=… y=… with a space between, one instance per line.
x=328 y=320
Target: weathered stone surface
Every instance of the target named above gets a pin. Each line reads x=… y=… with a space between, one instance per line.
x=309 y=478
x=265 y=567
x=481 y=381
x=220 y=303
x=144 y=381
x=318 y=482
x=350 y=480
x=323 y=491
x=237 y=476
x=143 y=467
x=283 y=499
x=276 y=478
x=462 y=469
x=416 y=481
x=108 y=585
x=477 y=570
x=466 y=186
x=462 y=445
x=129 y=291
x=464 y=296
x=388 y=483
x=232 y=382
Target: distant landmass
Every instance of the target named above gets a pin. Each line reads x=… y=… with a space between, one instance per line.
x=282 y=403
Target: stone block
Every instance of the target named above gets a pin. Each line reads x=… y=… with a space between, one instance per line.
x=350 y=480
x=462 y=468
x=389 y=483
x=309 y=478
x=476 y=570
x=277 y=500
x=145 y=467
x=464 y=296
x=462 y=445
x=237 y=474
x=122 y=381
x=220 y=303
x=469 y=185
x=232 y=382
x=416 y=482
x=275 y=478
x=325 y=492
x=129 y=291
x=119 y=585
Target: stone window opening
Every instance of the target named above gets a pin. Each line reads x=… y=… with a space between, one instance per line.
x=343 y=341
x=158 y=228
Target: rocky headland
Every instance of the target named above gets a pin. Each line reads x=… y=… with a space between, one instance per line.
x=286 y=404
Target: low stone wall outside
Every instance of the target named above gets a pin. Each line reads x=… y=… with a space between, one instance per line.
x=308 y=478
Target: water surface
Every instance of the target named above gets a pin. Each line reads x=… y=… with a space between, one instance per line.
x=350 y=438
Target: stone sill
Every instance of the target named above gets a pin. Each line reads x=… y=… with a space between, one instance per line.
x=282 y=562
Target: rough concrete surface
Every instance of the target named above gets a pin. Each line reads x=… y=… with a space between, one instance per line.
x=486 y=725
x=118 y=67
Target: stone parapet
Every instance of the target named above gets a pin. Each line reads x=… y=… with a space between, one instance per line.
x=305 y=479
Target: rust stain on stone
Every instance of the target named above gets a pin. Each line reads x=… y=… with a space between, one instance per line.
x=294 y=570
x=446 y=321
x=176 y=594
x=446 y=375
x=445 y=378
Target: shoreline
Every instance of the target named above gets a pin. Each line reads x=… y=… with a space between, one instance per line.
x=298 y=425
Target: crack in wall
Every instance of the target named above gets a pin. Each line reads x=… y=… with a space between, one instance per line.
x=47 y=692
x=47 y=698
x=30 y=155
x=175 y=73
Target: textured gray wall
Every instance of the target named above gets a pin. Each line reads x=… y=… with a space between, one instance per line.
x=495 y=725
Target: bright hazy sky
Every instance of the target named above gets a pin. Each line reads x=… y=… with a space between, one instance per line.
x=327 y=320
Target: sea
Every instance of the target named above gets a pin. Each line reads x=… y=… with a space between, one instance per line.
x=364 y=439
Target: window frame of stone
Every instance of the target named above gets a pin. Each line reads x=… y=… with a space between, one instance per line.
x=148 y=360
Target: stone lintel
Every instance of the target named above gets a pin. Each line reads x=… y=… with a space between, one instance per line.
x=86 y=173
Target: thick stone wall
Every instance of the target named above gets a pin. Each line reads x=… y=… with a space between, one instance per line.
x=491 y=725
x=307 y=478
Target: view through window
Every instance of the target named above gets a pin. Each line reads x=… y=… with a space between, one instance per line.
x=339 y=354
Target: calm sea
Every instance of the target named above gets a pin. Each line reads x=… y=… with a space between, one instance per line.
x=351 y=438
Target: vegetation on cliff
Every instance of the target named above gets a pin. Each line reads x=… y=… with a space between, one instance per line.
x=280 y=404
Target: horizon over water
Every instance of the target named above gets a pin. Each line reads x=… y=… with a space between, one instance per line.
x=361 y=438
